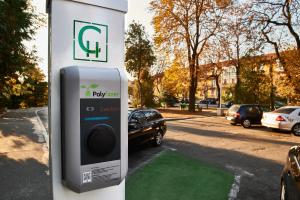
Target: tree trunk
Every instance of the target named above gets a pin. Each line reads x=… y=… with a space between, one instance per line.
x=218 y=89
x=238 y=84
x=192 y=87
x=140 y=93
x=272 y=88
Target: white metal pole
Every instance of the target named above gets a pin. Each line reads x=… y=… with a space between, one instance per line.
x=64 y=51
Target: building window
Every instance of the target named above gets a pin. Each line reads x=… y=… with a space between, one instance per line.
x=214 y=83
x=261 y=67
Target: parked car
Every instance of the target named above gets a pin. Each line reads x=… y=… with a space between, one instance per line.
x=146 y=125
x=244 y=114
x=284 y=118
x=211 y=101
x=228 y=104
x=290 y=177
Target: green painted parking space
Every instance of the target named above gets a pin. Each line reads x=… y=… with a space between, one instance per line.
x=172 y=176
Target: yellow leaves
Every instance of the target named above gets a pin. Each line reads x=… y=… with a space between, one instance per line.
x=175 y=80
x=223 y=3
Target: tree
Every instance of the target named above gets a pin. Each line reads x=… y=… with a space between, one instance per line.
x=186 y=25
x=242 y=39
x=139 y=57
x=18 y=24
x=215 y=57
x=28 y=89
x=147 y=88
x=175 y=80
x=279 y=22
x=256 y=85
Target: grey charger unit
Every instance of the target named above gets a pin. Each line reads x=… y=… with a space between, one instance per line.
x=94 y=127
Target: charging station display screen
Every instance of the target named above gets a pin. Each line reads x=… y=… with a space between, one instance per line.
x=100 y=130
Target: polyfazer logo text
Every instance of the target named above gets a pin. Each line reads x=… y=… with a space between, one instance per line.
x=102 y=94
x=90 y=91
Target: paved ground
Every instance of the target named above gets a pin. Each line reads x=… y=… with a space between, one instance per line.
x=256 y=155
x=24 y=171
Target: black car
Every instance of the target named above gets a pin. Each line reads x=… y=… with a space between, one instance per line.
x=290 y=177
x=245 y=114
x=211 y=101
x=146 y=125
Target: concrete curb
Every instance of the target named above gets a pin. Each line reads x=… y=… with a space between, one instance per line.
x=4 y=112
x=44 y=131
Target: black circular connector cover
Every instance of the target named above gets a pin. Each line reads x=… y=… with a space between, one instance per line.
x=101 y=140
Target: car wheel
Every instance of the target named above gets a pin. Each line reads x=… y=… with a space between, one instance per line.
x=158 y=138
x=283 y=193
x=246 y=123
x=296 y=130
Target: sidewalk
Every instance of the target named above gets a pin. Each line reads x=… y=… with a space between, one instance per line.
x=24 y=173
x=175 y=112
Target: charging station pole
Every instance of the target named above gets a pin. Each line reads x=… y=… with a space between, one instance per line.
x=84 y=33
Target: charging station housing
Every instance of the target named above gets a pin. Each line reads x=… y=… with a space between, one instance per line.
x=94 y=137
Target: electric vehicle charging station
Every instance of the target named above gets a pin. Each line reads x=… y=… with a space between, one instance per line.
x=87 y=99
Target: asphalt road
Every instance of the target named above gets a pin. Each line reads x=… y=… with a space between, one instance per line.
x=24 y=173
x=256 y=155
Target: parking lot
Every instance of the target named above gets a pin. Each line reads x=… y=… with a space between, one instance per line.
x=256 y=156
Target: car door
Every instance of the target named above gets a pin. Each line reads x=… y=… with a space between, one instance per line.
x=149 y=128
x=293 y=179
x=296 y=117
x=136 y=125
x=254 y=114
x=258 y=114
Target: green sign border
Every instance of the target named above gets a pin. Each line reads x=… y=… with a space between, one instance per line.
x=74 y=46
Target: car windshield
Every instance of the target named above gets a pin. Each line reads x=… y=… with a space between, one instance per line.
x=129 y=112
x=234 y=108
x=284 y=110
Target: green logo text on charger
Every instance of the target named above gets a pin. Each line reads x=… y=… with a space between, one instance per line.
x=90 y=41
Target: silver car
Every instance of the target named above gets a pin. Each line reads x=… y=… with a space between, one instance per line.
x=284 y=118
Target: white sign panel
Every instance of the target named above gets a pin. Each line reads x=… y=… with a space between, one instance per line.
x=83 y=33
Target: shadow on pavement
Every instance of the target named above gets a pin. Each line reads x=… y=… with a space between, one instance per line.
x=218 y=134
x=139 y=154
x=18 y=124
x=207 y=113
x=24 y=180
x=260 y=177
x=24 y=171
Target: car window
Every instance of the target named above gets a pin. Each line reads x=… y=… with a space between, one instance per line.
x=151 y=115
x=157 y=115
x=253 y=109
x=298 y=157
x=234 y=108
x=284 y=110
x=139 y=116
x=147 y=114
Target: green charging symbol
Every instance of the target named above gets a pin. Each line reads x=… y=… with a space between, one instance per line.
x=86 y=48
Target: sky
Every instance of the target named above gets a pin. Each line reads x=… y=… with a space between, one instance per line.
x=137 y=10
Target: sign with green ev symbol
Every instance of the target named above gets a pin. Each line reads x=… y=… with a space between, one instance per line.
x=90 y=41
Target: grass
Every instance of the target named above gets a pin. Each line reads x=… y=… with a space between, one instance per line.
x=172 y=176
